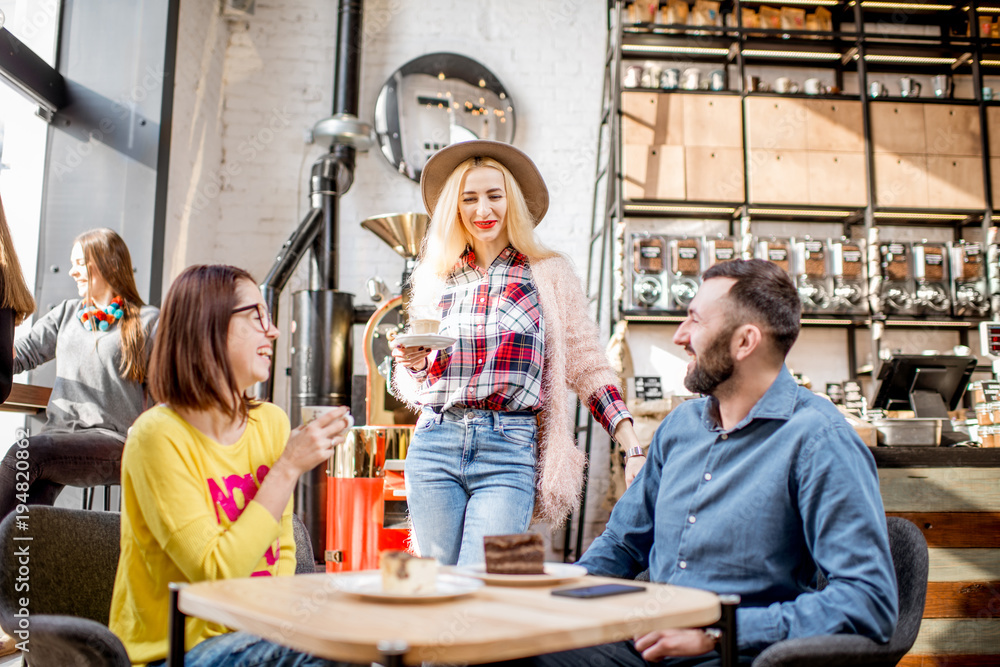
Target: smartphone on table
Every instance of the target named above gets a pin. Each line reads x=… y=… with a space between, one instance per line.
x=599 y=591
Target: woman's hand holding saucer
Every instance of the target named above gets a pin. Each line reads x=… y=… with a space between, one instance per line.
x=414 y=358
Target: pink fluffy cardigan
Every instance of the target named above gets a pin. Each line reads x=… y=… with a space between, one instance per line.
x=574 y=359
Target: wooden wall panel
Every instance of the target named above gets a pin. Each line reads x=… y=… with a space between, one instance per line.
x=964 y=564
x=955 y=182
x=952 y=129
x=834 y=125
x=776 y=124
x=653 y=172
x=898 y=128
x=940 y=489
x=962 y=599
x=993 y=124
x=713 y=120
x=837 y=179
x=779 y=176
x=968 y=636
x=714 y=174
x=901 y=180
x=956 y=529
x=652 y=119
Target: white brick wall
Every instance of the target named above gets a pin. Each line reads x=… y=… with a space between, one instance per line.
x=247 y=90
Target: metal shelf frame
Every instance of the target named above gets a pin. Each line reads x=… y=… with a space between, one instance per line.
x=856 y=51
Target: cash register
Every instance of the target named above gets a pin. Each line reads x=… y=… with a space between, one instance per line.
x=929 y=385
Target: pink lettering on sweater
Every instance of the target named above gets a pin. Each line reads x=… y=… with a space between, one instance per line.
x=227 y=500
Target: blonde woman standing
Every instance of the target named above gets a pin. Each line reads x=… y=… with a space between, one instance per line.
x=494 y=446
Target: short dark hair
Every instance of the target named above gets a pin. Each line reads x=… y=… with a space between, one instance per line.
x=190 y=367
x=765 y=293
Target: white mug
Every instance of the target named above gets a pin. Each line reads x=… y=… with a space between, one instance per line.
x=987 y=93
x=784 y=85
x=692 y=78
x=813 y=87
x=311 y=412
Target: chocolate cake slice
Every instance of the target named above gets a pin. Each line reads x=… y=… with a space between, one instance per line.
x=523 y=553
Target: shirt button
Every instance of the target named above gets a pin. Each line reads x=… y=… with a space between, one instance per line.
x=683 y=565
x=725 y=437
x=482 y=299
x=479 y=361
x=708 y=476
x=691 y=519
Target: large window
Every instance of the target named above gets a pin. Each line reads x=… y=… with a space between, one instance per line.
x=23 y=147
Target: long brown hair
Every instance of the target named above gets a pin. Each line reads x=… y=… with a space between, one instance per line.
x=105 y=251
x=14 y=292
x=190 y=366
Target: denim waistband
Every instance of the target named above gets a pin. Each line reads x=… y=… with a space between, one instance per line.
x=460 y=413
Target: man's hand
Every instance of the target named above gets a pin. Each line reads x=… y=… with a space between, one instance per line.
x=668 y=643
x=633 y=465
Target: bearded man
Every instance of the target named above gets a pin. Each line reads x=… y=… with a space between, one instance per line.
x=756 y=489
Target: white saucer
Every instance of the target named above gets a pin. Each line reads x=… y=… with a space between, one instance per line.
x=368 y=585
x=554 y=573
x=433 y=341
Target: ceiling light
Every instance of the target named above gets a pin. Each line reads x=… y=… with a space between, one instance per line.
x=902 y=215
x=666 y=48
x=671 y=208
x=794 y=55
x=801 y=212
x=878 y=4
x=914 y=60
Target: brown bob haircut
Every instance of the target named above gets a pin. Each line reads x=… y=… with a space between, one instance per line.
x=763 y=294
x=190 y=363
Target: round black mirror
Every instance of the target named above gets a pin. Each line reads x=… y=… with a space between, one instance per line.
x=437 y=100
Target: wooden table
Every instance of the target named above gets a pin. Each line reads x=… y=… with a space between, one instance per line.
x=308 y=613
x=26 y=398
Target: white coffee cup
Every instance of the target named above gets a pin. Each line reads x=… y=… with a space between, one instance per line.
x=782 y=84
x=813 y=87
x=311 y=412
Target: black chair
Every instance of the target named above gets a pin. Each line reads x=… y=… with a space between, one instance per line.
x=909 y=556
x=72 y=560
x=72 y=557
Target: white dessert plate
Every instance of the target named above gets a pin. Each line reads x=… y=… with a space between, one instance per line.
x=433 y=341
x=554 y=574
x=368 y=585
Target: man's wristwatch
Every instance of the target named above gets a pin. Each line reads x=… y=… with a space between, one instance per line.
x=634 y=451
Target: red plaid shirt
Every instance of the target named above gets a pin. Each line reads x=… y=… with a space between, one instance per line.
x=497 y=362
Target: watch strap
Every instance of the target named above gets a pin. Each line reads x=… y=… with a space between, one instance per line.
x=634 y=451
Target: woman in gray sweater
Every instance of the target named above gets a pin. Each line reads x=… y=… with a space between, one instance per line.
x=101 y=345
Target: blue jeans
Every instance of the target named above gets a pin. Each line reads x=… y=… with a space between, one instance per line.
x=56 y=460
x=240 y=649
x=469 y=473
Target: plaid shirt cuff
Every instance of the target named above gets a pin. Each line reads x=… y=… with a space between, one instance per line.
x=608 y=408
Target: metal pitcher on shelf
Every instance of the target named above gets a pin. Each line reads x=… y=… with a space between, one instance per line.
x=942 y=85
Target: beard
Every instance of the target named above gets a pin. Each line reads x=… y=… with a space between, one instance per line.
x=713 y=367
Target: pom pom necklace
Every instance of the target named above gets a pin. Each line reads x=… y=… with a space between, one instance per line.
x=102 y=319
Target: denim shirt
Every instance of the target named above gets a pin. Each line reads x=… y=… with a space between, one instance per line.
x=757 y=510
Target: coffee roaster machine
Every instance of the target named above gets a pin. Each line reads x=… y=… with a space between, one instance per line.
x=341 y=503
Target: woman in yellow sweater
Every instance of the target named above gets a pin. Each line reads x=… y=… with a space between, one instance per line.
x=208 y=474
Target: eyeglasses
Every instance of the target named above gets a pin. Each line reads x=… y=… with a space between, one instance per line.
x=263 y=315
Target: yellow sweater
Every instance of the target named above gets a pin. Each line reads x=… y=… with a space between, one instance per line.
x=187 y=516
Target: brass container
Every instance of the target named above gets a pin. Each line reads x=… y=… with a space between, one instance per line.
x=365 y=450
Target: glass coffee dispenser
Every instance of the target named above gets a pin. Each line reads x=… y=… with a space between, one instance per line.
x=969 y=272
x=721 y=249
x=776 y=250
x=685 y=271
x=850 y=283
x=897 y=292
x=648 y=273
x=812 y=277
x=930 y=272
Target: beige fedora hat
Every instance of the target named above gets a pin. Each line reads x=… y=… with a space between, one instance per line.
x=440 y=166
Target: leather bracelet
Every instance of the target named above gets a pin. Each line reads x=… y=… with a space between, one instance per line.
x=634 y=451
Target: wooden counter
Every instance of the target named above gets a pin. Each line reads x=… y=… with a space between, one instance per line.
x=26 y=398
x=953 y=495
